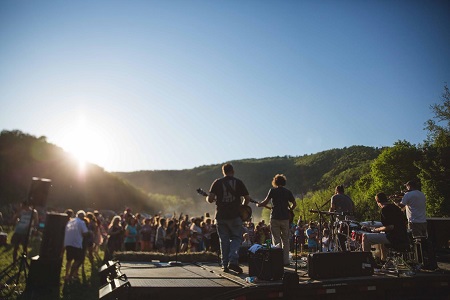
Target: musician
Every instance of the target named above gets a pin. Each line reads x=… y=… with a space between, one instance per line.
x=281 y=197
x=393 y=229
x=227 y=192
x=414 y=202
x=340 y=202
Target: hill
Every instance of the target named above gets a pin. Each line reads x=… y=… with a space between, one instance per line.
x=23 y=156
x=306 y=173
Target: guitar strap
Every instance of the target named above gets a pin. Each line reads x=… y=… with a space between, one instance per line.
x=230 y=189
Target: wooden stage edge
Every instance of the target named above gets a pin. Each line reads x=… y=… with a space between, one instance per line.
x=156 y=280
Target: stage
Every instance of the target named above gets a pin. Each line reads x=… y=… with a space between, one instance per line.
x=156 y=280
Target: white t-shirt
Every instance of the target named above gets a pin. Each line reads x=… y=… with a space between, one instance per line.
x=75 y=229
x=415 y=206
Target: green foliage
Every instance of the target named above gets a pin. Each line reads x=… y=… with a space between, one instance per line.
x=439 y=127
x=337 y=166
x=435 y=165
x=435 y=178
x=395 y=166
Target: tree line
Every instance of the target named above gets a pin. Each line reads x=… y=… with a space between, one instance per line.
x=363 y=170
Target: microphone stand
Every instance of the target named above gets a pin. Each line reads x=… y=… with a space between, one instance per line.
x=176 y=262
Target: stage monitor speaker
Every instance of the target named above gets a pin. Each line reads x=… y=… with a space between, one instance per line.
x=109 y=271
x=325 y=265
x=38 y=193
x=116 y=289
x=439 y=232
x=53 y=238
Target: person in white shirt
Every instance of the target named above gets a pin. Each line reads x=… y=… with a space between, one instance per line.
x=73 y=243
x=414 y=202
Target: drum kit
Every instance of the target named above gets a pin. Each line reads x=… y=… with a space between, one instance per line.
x=347 y=233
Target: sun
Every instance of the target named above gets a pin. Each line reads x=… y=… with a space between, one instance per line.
x=87 y=142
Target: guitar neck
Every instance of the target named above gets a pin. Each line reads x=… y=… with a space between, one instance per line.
x=256 y=202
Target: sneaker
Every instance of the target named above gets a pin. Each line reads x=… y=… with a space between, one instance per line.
x=235 y=268
x=225 y=269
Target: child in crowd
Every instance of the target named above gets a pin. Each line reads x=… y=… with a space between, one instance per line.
x=312 y=235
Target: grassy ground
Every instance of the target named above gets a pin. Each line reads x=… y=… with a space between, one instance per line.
x=86 y=288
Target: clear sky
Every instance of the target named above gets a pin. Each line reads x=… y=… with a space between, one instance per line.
x=151 y=85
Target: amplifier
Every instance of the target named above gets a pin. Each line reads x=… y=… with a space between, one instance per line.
x=323 y=265
x=266 y=264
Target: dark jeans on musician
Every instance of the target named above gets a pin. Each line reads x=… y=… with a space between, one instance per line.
x=230 y=236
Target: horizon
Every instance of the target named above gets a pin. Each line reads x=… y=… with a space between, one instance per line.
x=174 y=85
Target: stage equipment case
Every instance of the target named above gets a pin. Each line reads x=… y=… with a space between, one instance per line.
x=266 y=264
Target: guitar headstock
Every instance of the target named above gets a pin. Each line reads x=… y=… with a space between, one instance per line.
x=200 y=191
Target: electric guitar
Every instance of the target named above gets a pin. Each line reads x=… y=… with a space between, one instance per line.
x=245 y=211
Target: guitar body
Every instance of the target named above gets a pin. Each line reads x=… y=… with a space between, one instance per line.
x=245 y=212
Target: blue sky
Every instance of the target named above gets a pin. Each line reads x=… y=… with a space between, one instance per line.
x=145 y=85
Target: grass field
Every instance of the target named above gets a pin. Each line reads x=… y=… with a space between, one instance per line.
x=86 y=289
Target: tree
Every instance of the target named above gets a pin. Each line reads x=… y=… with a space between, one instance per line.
x=395 y=166
x=435 y=164
x=439 y=127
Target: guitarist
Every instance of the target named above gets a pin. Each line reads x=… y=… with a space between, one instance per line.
x=227 y=192
x=283 y=203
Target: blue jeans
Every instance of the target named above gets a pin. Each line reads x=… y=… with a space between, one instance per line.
x=230 y=236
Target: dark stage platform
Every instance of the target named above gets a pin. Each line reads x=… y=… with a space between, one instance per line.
x=207 y=281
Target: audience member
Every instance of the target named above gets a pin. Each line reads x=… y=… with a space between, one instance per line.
x=73 y=242
x=26 y=219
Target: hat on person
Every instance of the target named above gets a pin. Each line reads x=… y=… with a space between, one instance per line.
x=81 y=212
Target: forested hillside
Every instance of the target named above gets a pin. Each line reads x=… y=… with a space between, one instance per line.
x=23 y=156
x=306 y=173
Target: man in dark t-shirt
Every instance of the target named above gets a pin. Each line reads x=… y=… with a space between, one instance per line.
x=393 y=230
x=227 y=192
x=344 y=206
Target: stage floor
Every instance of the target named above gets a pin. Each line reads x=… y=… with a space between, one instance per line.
x=207 y=281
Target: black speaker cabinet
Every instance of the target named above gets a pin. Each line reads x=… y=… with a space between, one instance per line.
x=439 y=231
x=323 y=265
x=243 y=254
x=266 y=264
x=38 y=193
x=44 y=273
x=53 y=238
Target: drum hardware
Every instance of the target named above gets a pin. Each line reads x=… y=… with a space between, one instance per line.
x=371 y=224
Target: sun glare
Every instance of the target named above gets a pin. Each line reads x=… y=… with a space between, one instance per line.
x=87 y=143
